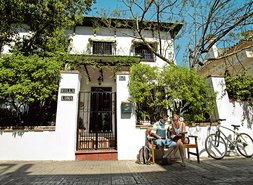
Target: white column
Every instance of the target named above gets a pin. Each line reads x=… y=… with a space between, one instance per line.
x=129 y=138
x=222 y=100
x=67 y=111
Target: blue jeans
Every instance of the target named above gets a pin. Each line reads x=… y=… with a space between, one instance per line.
x=165 y=142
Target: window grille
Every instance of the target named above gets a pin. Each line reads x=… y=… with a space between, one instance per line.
x=102 y=48
x=144 y=52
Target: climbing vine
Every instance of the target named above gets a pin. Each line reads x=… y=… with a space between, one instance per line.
x=239 y=87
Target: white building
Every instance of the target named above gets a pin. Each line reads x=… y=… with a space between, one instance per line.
x=94 y=118
x=236 y=59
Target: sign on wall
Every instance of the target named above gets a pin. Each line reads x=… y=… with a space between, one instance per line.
x=122 y=78
x=66 y=98
x=67 y=90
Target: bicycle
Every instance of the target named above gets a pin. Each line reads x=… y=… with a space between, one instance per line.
x=217 y=144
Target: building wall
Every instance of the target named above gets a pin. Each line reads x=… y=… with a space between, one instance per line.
x=58 y=144
x=237 y=113
x=124 y=39
x=130 y=138
x=61 y=143
x=238 y=60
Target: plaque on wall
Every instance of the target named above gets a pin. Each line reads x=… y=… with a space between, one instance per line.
x=68 y=90
x=66 y=98
x=122 y=78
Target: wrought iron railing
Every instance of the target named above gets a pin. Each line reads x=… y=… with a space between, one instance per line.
x=97 y=121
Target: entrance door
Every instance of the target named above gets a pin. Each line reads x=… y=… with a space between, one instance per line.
x=101 y=110
x=97 y=120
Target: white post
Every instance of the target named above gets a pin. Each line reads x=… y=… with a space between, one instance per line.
x=67 y=111
x=222 y=100
x=129 y=139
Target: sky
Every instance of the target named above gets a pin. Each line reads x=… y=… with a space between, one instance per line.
x=180 y=53
x=109 y=5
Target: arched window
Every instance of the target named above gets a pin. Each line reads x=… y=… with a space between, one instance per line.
x=143 y=51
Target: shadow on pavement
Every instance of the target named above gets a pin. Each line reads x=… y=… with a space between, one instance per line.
x=226 y=171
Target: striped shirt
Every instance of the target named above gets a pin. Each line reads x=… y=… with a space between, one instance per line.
x=160 y=129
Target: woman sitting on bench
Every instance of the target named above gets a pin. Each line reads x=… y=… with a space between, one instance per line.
x=178 y=132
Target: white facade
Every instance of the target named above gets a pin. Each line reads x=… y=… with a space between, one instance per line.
x=234 y=113
x=60 y=144
x=123 y=39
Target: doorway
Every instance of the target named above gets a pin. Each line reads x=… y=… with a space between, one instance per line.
x=97 y=119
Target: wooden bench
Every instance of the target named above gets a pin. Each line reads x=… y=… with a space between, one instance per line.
x=151 y=140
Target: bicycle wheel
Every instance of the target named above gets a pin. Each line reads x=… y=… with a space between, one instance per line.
x=245 y=145
x=216 y=147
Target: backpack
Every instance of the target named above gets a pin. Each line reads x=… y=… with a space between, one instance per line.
x=144 y=156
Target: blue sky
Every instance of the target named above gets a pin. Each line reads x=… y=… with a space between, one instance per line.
x=108 y=5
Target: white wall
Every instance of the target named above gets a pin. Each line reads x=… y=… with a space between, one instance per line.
x=61 y=143
x=47 y=145
x=129 y=138
x=237 y=113
x=124 y=44
x=202 y=132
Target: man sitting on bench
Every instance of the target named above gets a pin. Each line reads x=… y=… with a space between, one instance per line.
x=160 y=132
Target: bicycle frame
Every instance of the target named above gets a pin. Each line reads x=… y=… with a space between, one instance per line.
x=226 y=140
x=233 y=141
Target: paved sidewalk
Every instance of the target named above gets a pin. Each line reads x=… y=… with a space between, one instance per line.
x=235 y=171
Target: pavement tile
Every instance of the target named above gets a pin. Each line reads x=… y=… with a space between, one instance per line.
x=228 y=171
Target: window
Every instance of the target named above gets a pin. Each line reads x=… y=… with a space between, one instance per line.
x=144 y=52
x=102 y=48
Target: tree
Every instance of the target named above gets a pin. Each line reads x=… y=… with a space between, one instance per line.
x=145 y=92
x=239 y=87
x=154 y=91
x=219 y=22
x=44 y=20
x=28 y=84
x=205 y=22
x=29 y=76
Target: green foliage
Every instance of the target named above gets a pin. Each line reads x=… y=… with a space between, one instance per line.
x=29 y=79
x=196 y=96
x=28 y=85
x=154 y=91
x=239 y=87
x=44 y=19
x=145 y=91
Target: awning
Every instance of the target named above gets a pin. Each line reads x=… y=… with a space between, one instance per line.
x=102 y=39
x=148 y=40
